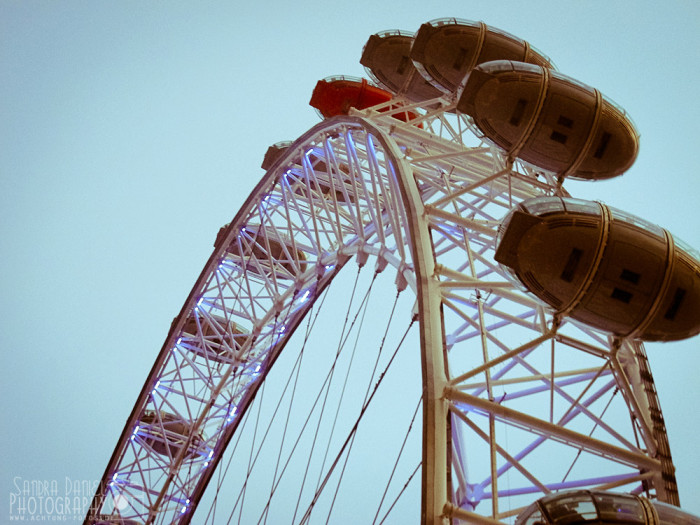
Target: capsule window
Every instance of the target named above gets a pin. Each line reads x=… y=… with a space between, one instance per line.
x=630 y=276
x=575 y=508
x=619 y=508
x=403 y=63
x=571 y=265
x=621 y=295
x=675 y=304
x=558 y=137
x=602 y=145
x=461 y=58
x=518 y=112
x=565 y=121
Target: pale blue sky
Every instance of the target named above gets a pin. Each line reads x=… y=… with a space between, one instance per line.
x=131 y=131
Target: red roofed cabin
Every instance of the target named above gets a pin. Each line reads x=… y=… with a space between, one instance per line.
x=336 y=95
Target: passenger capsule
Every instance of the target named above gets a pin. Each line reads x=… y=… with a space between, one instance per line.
x=319 y=166
x=213 y=337
x=603 y=267
x=447 y=50
x=386 y=58
x=335 y=96
x=602 y=508
x=264 y=252
x=550 y=120
x=167 y=433
x=273 y=153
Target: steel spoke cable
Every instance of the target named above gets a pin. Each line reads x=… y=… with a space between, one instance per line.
x=328 y=381
x=340 y=401
x=224 y=471
x=595 y=425
x=367 y=392
x=325 y=386
x=251 y=463
x=264 y=438
x=316 y=434
x=286 y=423
x=396 y=464
x=242 y=494
x=308 y=464
x=355 y=427
x=396 y=500
x=310 y=324
x=352 y=432
x=341 y=345
x=309 y=329
x=381 y=345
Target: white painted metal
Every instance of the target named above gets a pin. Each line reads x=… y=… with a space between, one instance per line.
x=516 y=403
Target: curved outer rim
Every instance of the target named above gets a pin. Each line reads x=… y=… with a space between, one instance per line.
x=435 y=412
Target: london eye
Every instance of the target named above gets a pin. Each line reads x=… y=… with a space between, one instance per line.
x=410 y=317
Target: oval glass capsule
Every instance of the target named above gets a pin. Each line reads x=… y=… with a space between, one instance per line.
x=550 y=120
x=273 y=153
x=260 y=254
x=213 y=338
x=167 y=433
x=601 y=508
x=323 y=184
x=386 y=57
x=602 y=267
x=446 y=50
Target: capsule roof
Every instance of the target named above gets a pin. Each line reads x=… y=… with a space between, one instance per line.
x=446 y=50
x=550 y=120
x=261 y=253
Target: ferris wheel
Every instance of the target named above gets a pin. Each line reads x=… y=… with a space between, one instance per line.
x=410 y=318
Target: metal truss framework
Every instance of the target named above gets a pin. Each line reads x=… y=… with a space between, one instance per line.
x=516 y=403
